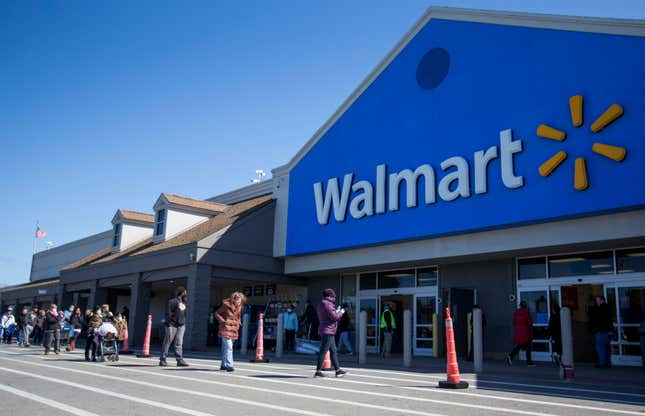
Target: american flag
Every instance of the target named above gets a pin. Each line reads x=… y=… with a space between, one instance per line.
x=40 y=233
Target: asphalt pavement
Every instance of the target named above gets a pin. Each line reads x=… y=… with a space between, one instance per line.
x=35 y=384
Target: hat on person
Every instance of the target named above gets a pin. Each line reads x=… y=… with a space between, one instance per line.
x=10 y=308
x=329 y=293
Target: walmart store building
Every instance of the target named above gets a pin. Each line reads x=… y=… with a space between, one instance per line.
x=490 y=158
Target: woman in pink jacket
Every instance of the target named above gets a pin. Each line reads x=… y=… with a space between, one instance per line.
x=328 y=316
x=523 y=336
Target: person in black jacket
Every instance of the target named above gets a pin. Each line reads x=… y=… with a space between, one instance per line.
x=554 y=331
x=602 y=327
x=53 y=319
x=175 y=321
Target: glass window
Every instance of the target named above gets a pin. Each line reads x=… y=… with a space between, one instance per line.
x=397 y=278
x=348 y=295
x=117 y=235
x=630 y=261
x=367 y=281
x=531 y=268
x=425 y=310
x=537 y=305
x=161 y=221
x=581 y=264
x=631 y=301
x=369 y=306
x=428 y=276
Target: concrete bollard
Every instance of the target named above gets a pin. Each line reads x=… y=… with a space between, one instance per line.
x=279 y=336
x=566 y=371
x=478 y=341
x=244 y=347
x=435 y=335
x=362 y=338
x=407 y=338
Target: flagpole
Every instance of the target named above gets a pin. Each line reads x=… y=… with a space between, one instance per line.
x=34 y=242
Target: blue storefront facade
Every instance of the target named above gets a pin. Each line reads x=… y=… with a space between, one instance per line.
x=489 y=158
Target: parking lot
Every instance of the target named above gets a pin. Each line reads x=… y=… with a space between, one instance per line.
x=35 y=384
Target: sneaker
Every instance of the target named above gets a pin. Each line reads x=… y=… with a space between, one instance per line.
x=182 y=363
x=319 y=374
x=509 y=361
x=340 y=373
x=222 y=368
x=230 y=369
x=46 y=352
x=530 y=365
x=57 y=352
x=163 y=363
x=87 y=358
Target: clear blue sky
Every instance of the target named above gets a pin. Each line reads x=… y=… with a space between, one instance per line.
x=104 y=105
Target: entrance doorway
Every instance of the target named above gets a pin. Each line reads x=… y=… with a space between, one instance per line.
x=398 y=304
x=580 y=298
x=461 y=303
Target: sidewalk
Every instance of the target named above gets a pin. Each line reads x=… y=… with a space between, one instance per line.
x=632 y=378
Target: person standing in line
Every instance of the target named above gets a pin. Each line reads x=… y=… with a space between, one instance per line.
x=53 y=320
x=175 y=328
x=290 y=328
x=554 y=331
x=328 y=318
x=388 y=326
x=229 y=316
x=76 y=323
x=121 y=326
x=310 y=319
x=93 y=322
x=8 y=325
x=20 y=325
x=602 y=327
x=345 y=327
x=39 y=329
x=522 y=338
x=30 y=324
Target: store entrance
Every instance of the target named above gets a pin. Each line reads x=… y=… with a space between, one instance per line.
x=580 y=299
x=398 y=303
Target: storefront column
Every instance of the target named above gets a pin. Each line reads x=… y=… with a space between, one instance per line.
x=139 y=309
x=98 y=295
x=199 y=293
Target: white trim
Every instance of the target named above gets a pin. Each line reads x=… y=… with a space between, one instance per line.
x=242 y=194
x=598 y=228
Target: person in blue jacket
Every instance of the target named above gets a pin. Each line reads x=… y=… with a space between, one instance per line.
x=290 y=328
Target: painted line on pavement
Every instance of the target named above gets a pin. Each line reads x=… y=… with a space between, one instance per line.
x=106 y=392
x=431 y=389
x=265 y=390
x=173 y=389
x=51 y=403
x=345 y=390
x=355 y=370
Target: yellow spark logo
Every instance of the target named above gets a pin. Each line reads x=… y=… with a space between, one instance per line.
x=580 y=180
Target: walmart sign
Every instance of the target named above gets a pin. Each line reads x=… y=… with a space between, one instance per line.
x=476 y=126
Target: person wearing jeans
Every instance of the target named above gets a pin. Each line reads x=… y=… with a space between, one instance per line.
x=229 y=316
x=602 y=326
x=175 y=321
x=328 y=316
x=290 y=329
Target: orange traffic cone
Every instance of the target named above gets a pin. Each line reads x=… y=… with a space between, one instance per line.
x=259 y=349
x=126 y=342
x=452 y=368
x=146 y=342
x=327 y=362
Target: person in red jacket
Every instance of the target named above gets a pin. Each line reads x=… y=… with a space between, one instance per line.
x=523 y=336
